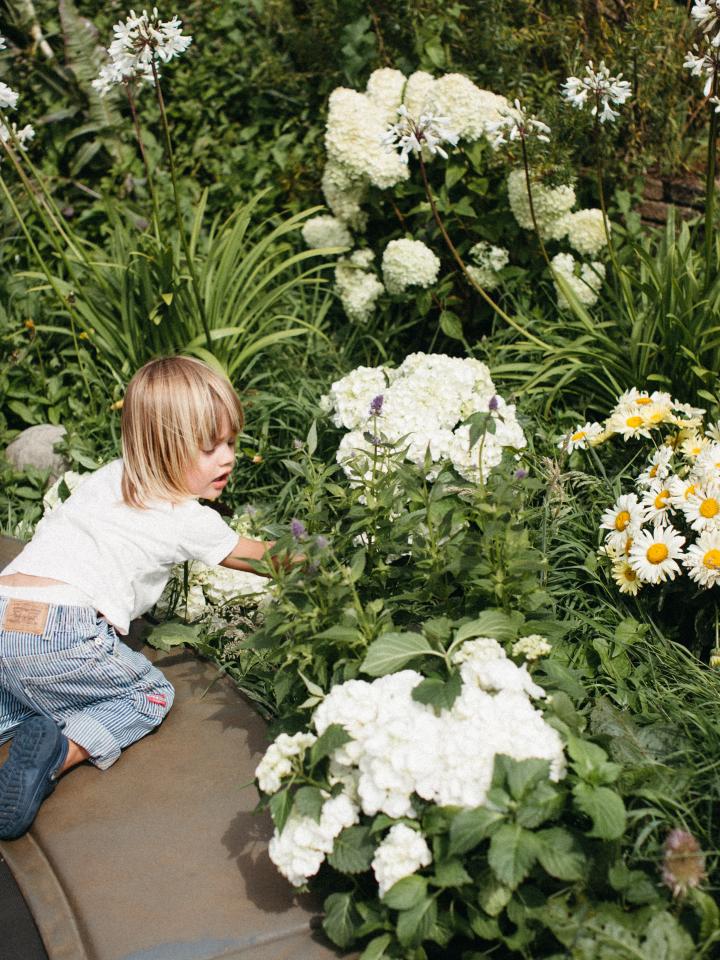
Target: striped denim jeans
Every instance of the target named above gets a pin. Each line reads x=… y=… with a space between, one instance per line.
x=74 y=669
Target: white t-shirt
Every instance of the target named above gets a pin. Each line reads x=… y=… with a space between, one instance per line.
x=121 y=556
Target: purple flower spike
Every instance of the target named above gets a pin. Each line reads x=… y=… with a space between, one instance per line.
x=376 y=405
x=321 y=542
x=521 y=474
x=493 y=404
x=297 y=529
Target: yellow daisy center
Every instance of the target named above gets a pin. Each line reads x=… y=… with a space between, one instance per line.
x=711 y=560
x=642 y=401
x=657 y=552
x=634 y=422
x=622 y=520
x=690 y=491
x=652 y=472
x=578 y=436
x=628 y=544
x=656 y=417
x=661 y=498
x=709 y=508
x=629 y=574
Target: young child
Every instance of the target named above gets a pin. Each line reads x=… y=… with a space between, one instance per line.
x=69 y=689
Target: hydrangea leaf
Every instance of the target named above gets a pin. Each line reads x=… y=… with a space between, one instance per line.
x=493 y=896
x=512 y=853
x=522 y=775
x=450 y=873
x=483 y=926
x=451 y=325
x=470 y=827
x=665 y=939
x=544 y=802
x=308 y=802
x=333 y=737
x=437 y=692
x=604 y=807
x=560 y=854
x=414 y=925
x=391 y=651
x=341 y=919
x=406 y=893
x=375 y=950
x=280 y=806
x=491 y=623
x=169 y=635
x=353 y=850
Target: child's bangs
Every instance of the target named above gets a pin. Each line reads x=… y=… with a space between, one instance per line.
x=217 y=414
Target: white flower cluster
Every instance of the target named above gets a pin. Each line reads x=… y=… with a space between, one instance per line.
x=11 y=135
x=531 y=647
x=703 y=60
x=551 y=204
x=488 y=261
x=515 y=123
x=141 y=42
x=598 y=89
x=298 y=852
x=408 y=263
x=357 y=285
x=326 y=232
x=210 y=587
x=359 y=153
x=424 y=401
x=8 y=97
x=401 y=749
x=585 y=280
x=401 y=853
x=278 y=759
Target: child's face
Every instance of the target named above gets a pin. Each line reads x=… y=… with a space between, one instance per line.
x=207 y=476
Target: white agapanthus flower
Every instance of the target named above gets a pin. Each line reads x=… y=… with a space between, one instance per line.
x=414 y=134
x=597 y=89
x=515 y=124
x=299 y=851
x=408 y=263
x=13 y=135
x=140 y=42
x=706 y=14
x=277 y=762
x=326 y=231
x=8 y=97
x=704 y=63
x=3 y=42
x=402 y=852
x=584 y=283
x=585 y=230
x=357 y=285
x=488 y=261
x=551 y=204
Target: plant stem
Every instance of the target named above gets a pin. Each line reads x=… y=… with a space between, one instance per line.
x=710 y=185
x=178 y=212
x=528 y=187
x=458 y=259
x=143 y=154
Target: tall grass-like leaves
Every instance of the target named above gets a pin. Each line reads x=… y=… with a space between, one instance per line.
x=670 y=339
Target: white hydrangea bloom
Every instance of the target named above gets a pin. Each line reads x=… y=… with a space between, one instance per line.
x=385 y=90
x=585 y=231
x=350 y=397
x=353 y=139
x=72 y=480
x=408 y=263
x=532 y=647
x=277 y=762
x=343 y=194
x=489 y=260
x=418 y=92
x=468 y=108
x=401 y=853
x=299 y=851
x=326 y=231
x=585 y=285
x=357 y=287
x=550 y=203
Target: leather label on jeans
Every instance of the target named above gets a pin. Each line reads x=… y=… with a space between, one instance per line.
x=25 y=616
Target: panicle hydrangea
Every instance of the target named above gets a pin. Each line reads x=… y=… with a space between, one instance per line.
x=515 y=124
x=597 y=89
x=357 y=286
x=326 y=231
x=585 y=230
x=532 y=647
x=585 y=283
x=424 y=400
x=408 y=263
x=344 y=193
x=469 y=110
x=401 y=853
x=277 y=762
x=385 y=91
x=299 y=851
x=551 y=204
x=488 y=261
x=426 y=132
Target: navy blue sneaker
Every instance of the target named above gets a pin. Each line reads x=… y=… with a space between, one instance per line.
x=27 y=777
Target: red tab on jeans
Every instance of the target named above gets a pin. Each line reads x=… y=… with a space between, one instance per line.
x=161 y=701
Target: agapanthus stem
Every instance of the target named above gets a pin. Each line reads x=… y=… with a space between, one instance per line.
x=146 y=164
x=64 y=301
x=710 y=185
x=459 y=260
x=528 y=187
x=178 y=211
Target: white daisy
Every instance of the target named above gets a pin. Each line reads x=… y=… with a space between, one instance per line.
x=580 y=437
x=680 y=490
x=629 y=422
x=693 y=445
x=626 y=578
x=658 y=467
x=713 y=431
x=702 y=507
x=657 y=502
x=702 y=560
x=654 y=554
x=707 y=462
x=625 y=514
x=617 y=545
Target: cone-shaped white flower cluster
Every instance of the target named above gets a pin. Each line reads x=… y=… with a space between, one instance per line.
x=425 y=400
x=408 y=263
x=401 y=749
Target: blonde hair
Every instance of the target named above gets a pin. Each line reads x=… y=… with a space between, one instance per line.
x=173 y=408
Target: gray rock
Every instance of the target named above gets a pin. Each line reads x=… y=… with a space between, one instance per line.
x=34 y=447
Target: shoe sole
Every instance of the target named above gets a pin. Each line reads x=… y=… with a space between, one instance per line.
x=23 y=756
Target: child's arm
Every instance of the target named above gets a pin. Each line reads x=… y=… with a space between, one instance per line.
x=246 y=550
